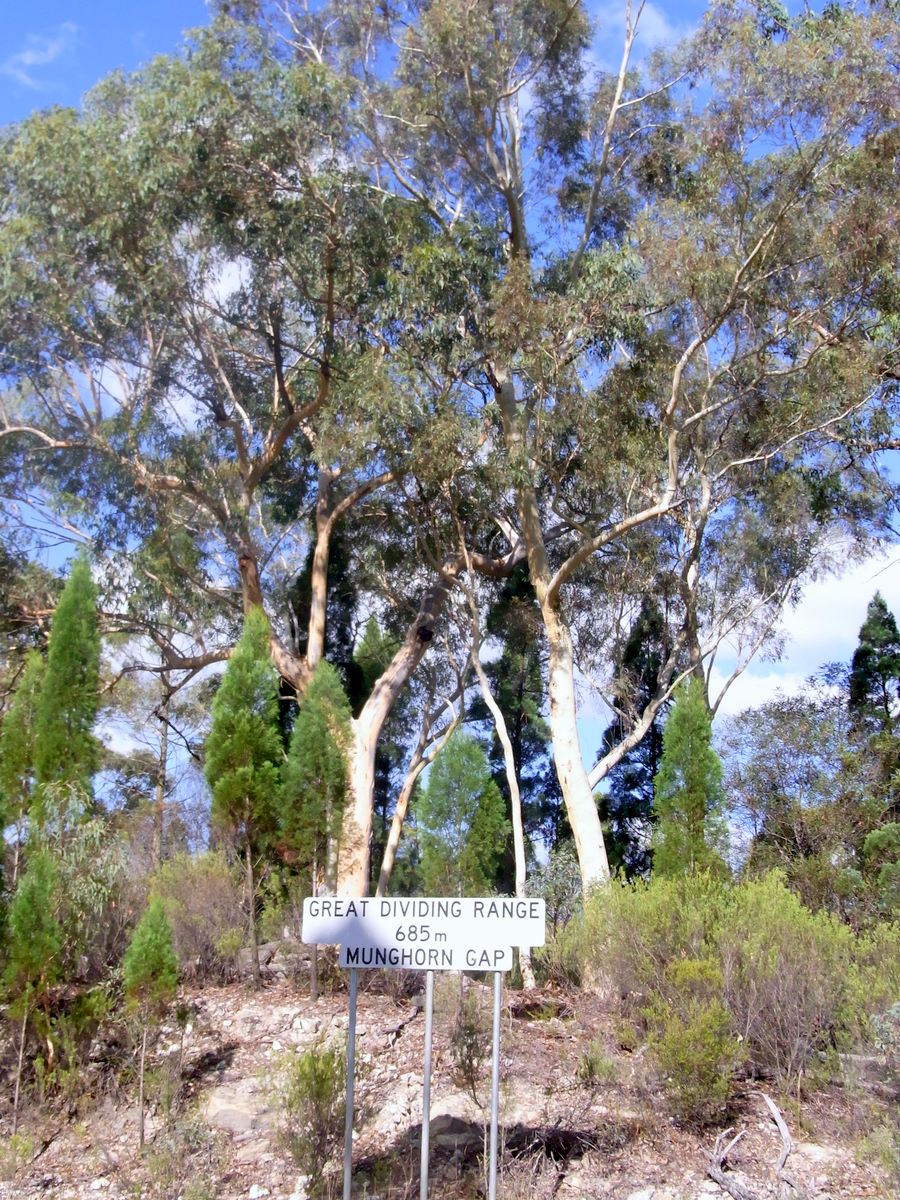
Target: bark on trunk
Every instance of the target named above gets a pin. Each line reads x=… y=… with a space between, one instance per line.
x=161 y=779
x=573 y=777
x=22 y=1033
x=353 y=859
x=251 y=917
x=393 y=841
x=515 y=801
x=318 y=600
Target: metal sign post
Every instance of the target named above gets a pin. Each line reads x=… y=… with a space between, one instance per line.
x=426 y=1087
x=351 y=1075
x=495 y=1087
x=430 y=934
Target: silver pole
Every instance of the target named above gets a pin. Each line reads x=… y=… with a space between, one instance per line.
x=495 y=1087
x=351 y=1070
x=426 y=1086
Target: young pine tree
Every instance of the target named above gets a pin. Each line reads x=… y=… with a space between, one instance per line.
x=150 y=979
x=875 y=669
x=691 y=832
x=17 y=747
x=461 y=820
x=66 y=750
x=314 y=791
x=244 y=754
x=34 y=942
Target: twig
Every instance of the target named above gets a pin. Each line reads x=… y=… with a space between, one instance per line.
x=787 y=1147
x=716 y=1168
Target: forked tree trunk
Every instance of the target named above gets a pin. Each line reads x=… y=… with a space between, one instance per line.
x=356 y=831
x=570 y=769
x=581 y=807
x=393 y=840
x=515 y=802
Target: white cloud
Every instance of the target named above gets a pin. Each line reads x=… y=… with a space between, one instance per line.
x=39 y=51
x=823 y=628
x=655 y=28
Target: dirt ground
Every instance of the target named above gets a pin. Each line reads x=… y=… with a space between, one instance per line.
x=581 y=1117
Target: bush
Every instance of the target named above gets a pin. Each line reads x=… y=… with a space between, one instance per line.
x=692 y=1041
x=561 y=961
x=595 y=1066
x=878 y=966
x=882 y=1147
x=788 y=977
x=793 y=984
x=886 y=1038
x=470 y=1043
x=310 y=1098
x=202 y=898
x=635 y=930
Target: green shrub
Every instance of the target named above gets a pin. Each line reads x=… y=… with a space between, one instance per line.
x=788 y=977
x=15 y=1152
x=882 y=1147
x=635 y=930
x=886 y=1038
x=470 y=1043
x=202 y=897
x=692 y=1041
x=794 y=984
x=877 y=955
x=595 y=1066
x=561 y=961
x=310 y=1098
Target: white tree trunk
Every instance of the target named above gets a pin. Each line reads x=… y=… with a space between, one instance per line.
x=573 y=777
x=356 y=831
x=570 y=769
x=393 y=840
x=515 y=800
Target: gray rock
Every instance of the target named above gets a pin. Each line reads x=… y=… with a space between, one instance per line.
x=454 y=1132
x=237 y=1107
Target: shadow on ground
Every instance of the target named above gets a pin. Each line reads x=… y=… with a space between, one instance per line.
x=458 y=1149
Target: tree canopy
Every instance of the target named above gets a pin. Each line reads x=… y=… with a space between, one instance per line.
x=426 y=282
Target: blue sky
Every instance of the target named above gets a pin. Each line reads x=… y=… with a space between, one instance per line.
x=53 y=51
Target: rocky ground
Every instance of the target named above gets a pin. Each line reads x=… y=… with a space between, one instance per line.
x=569 y=1130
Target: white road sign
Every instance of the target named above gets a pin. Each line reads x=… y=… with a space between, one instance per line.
x=444 y=924
x=426 y=958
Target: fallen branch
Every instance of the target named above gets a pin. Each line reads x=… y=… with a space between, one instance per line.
x=787 y=1147
x=716 y=1168
x=394 y=1032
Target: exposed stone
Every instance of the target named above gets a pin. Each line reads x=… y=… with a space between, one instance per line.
x=454 y=1132
x=237 y=1107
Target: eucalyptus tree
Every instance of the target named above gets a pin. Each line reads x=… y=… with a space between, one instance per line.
x=695 y=365
x=187 y=267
